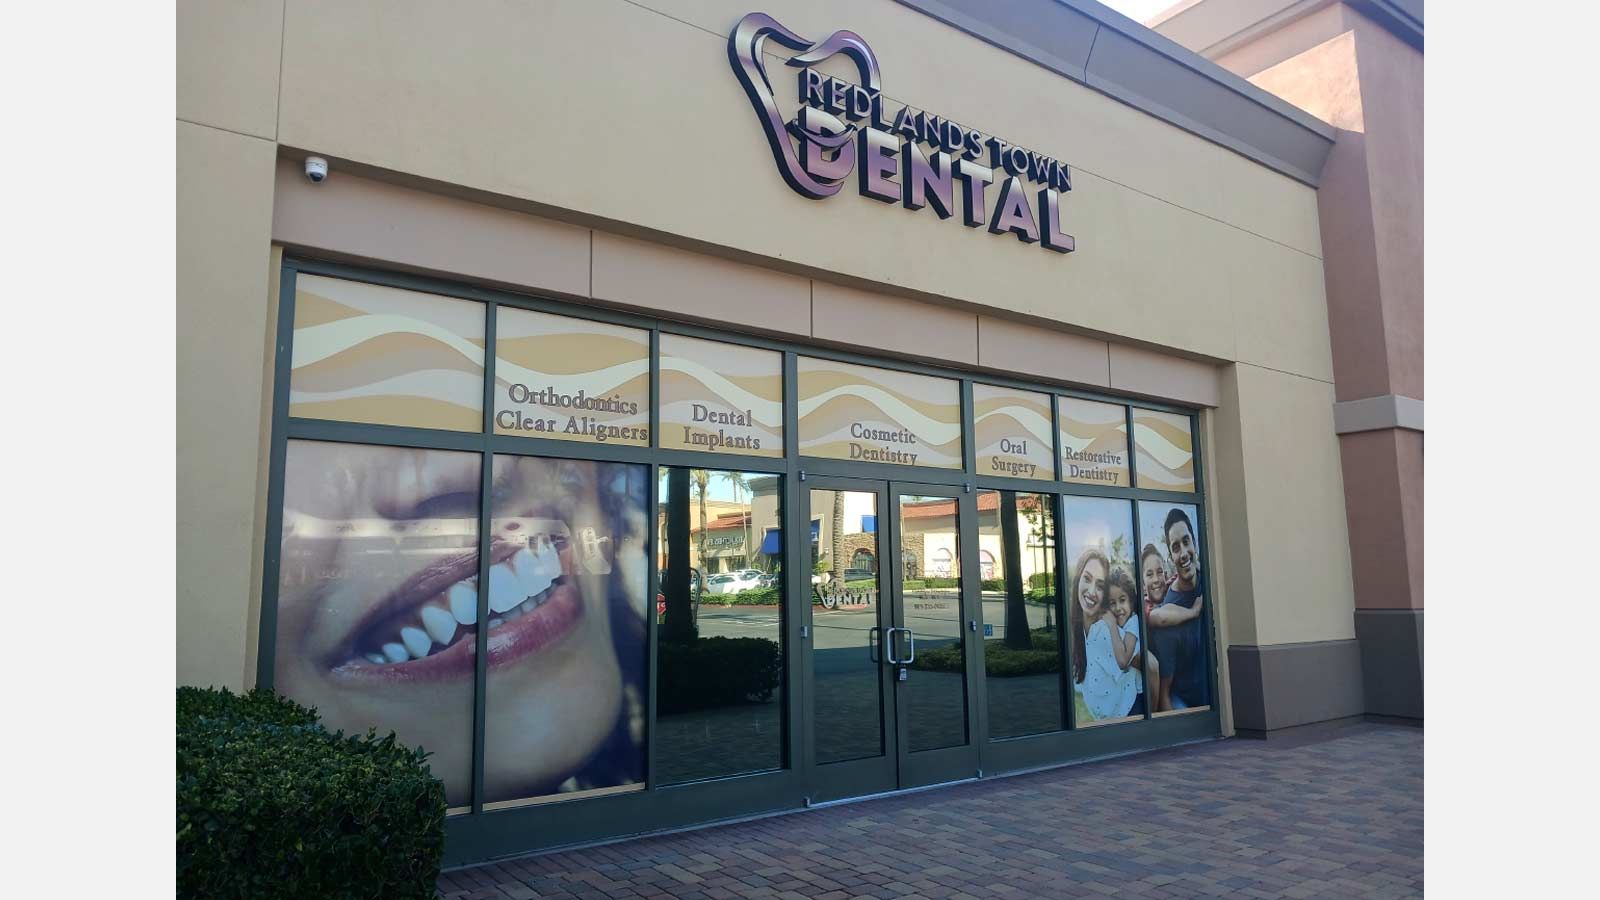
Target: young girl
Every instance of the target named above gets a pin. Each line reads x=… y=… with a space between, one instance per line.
x=1099 y=669
x=1120 y=604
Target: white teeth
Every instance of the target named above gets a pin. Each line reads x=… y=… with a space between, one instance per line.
x=376 y=658
x=416 y=640
x=395 y=653
x=496 y=622
x=549 y=559
x=534 y=579
x=530 y=572
x=463 y=603
x=440 y=624
x=505 y=588
x=516 y=612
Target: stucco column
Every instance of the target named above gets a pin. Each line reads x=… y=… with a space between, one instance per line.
x=1368 y=84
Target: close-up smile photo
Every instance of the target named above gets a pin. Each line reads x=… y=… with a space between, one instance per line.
x=378 y=610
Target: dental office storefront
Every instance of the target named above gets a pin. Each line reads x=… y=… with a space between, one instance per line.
x=672 y=413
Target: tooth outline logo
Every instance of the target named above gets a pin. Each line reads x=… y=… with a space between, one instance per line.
x=745 y=45
x=817 y=151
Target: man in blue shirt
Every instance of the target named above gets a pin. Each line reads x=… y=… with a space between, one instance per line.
x=1177 y=633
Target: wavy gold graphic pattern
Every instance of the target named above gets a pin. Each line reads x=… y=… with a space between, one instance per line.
x=1094 y=442
x=1011 y=432
x=839 y=400
x=1165 y=450
x=571 y=379
x=385 y=356
x=725 y=380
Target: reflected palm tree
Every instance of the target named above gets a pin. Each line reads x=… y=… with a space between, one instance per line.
x=740 y=486
x=837 y=577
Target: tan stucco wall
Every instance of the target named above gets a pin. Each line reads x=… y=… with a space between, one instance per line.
x=535 y=85
x=224 y=216
x=554 y=117
x=1280 y=508
x=228 y=56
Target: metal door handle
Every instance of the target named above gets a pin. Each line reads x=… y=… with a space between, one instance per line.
x=889 y=644
x=912 y=637
x=872 y=643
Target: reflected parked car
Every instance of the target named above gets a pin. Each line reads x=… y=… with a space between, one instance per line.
x=732 y=582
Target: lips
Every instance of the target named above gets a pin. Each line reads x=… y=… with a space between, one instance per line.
x=427 y=628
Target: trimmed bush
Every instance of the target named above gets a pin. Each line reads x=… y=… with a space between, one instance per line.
x=767 y=596
x=273 y=805
x=999 y=661
x=713 y=672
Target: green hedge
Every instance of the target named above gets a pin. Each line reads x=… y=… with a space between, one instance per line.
x=716 y=671
x=768 y=596
x=273 y=805
x=999 y=661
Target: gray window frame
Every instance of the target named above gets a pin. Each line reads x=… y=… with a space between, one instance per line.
x=479 y=834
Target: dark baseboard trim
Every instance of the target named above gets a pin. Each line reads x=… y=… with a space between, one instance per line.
x=1391 y=661
x=1317 y=732
x=1278 y=686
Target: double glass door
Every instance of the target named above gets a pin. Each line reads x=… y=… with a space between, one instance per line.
x=888 y=636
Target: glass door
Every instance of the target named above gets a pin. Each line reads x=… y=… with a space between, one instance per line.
x=928 y=652
x=852 y=744
x=891 y=606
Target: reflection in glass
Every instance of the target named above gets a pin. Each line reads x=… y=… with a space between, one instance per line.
x=567 y=582
x=1174 y=604
x=1109 y=665
x=936 y=692
x=847 y=704
x=719 y=652
x=1022 y=646
x=376 y=542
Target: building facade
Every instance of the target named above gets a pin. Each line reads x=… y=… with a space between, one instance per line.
x=983 y=355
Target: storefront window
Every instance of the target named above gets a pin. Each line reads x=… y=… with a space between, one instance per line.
x=377 y=597
x=571 y=379
x=719 y=648
x=867 y=414
x=385 y=356
x=1011 y=432
x=1094 y=442
x=568 y=580
x=1174 y=603
x=721 y=397
x=1109 y=666
x=1165 y=450
x=377 y=593
x=1021 y=613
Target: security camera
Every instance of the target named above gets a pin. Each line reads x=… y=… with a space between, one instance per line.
x=316 y=169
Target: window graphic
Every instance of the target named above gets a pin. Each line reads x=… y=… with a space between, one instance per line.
x=385 y=356
x=1165 y=450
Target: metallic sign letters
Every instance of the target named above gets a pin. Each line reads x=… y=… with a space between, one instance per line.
x=843 y=128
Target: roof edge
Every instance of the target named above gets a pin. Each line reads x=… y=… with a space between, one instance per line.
x=1093 y=45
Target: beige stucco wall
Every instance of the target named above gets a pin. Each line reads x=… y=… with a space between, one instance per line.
x=612 y=111
x=224 y=216
x=1280 y=509
x=603 y=150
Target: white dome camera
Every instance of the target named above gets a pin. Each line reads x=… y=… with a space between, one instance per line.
x=316 y=169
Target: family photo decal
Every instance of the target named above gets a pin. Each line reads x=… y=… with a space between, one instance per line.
x=843 y=128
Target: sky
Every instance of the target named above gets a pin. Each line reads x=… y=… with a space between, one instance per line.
x=1138 y=10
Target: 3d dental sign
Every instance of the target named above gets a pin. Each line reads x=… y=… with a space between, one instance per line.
x=845 y=127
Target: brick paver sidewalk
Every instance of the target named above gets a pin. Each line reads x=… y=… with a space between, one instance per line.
x=1335 y=817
